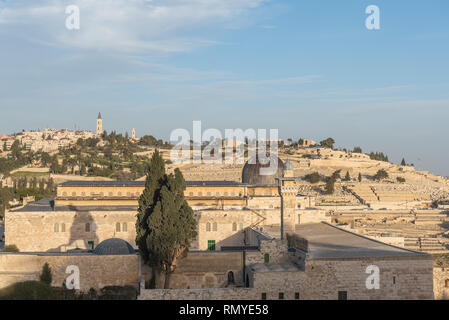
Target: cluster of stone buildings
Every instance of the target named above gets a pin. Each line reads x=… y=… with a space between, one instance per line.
x=48 y=140
x=258 y=238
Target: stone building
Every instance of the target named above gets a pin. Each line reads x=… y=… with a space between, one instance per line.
x=92 y=211
x=258 y=238
x=320 y=262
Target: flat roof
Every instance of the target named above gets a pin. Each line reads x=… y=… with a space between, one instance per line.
x=327 y=241
x=45 y=206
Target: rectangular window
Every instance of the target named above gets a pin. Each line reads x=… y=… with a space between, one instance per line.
x=264 y=296
x=342 y=295
x=296 y=295
x=281 y=296
x=211 y=245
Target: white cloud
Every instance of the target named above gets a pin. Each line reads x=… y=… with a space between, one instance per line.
x=126 y=25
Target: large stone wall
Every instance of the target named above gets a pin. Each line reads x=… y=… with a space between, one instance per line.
x=96 y=271
x=400 y=278
x=207 y=270
x=322 y=280
x=35 y=231
x=441 y=283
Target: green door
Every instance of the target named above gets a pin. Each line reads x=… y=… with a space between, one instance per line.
x=211 y=245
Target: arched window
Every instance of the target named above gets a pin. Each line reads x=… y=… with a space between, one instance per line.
x=87 y=227
x=240 y=226
x=110 y=194
x=64 y=194
x=117 y=227
x=217 y=194
x=446 y=283
x=234 y=226
x=74 y=194
x=208 y=226
x=226 y=194
x=231 y=277
x=56 y=228
x=215 y=227
x=200 y=194
x=209 y=194
x=125 y=227
x=62 y=227
x=190 y=194
x=119 y=194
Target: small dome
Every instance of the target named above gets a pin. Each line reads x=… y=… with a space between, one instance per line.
x=253 y=171
x=114 y=246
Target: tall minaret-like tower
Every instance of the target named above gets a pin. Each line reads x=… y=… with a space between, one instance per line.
x=99 y=124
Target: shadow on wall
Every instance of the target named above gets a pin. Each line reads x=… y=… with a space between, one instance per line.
x=82 y=233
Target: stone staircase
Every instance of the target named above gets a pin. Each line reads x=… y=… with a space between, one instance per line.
x=429 y=245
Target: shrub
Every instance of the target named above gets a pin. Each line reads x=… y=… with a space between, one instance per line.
x=28 y=290
x=10 y=248
x=381 y=174
x=400 y=179
x=313 y=177
x=46 y=276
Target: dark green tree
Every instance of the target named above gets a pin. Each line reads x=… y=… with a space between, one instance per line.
x=380 y=175
x=165 y=223
x=328 y=143
x=403 y=163
x=46 y=276
x=313 y=177
x=347 y=176
x=330 y=185
x=360 y=177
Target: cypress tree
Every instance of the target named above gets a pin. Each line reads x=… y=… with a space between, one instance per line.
x=165 y=224
x=46 y=276
x=360 y=177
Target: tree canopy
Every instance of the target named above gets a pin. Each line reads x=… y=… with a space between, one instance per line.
x=165 y=223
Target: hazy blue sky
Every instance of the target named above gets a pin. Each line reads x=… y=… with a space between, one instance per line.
x=309 y=68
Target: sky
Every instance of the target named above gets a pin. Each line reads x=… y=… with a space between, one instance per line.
x=308 y=68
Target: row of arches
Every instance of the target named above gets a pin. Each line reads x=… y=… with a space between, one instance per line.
x=102 y=194
x=214 y=226
x=90 y=227
x=216 y=194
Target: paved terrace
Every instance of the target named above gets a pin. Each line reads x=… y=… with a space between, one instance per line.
x=44 y=205
x=329 y=242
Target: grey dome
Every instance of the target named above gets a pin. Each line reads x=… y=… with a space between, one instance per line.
x=114 y=246
x=253 y=175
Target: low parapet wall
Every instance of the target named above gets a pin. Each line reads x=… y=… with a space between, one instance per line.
x=96 y=271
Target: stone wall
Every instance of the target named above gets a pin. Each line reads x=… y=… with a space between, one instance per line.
x=207 y=270
x=275 y=248
x=400 y=278
x=36 y=231
x=441 y=283
x=96 y=271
